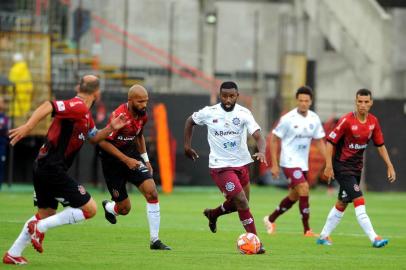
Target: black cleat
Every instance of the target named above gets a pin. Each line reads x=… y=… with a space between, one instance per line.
x=212 y=221
x=109 y=216
x=261 y=250
x=158 y=245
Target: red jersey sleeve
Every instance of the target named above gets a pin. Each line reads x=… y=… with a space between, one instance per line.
x=335 y=135
x=377 y=135
x=69 y=109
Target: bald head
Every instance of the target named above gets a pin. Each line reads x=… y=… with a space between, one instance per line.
x=138 y=99
x=89 y=84
x=137 y=91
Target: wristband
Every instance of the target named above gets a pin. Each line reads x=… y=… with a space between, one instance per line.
x=145 y=157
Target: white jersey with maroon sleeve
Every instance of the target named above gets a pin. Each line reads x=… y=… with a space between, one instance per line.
x=296 y=132
x=227 y=134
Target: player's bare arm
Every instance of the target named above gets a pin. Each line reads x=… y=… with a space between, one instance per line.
x=188 y=133
x=275 y=142
x=114 y=151
x=116 y=123
x=261 y=145
x=142 y=149
x=40 y=113
x=390 y=169
x=328 y=170
x=321 y=146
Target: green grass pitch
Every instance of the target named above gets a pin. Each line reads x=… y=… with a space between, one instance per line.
x=96 y=244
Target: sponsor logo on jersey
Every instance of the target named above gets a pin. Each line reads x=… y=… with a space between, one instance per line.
x=332 y=135
x=82 y=189
x=356 y=187
x=60 y=105
x=357 y=146
x=230 y=186
x=236 y=121
x=225 y=133
x=301 y=136
x=297 y=174
x=228 y=145
x=81 y=137
x=354 y=127
x=215 y=120
x=295 y=126
x=125 y=138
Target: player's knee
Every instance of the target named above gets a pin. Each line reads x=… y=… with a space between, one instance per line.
x=151 y=196
x=124 y=209
x=241 y=202
x=89 y=209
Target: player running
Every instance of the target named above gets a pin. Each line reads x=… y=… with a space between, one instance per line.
x=125 y=159
x=349 y=139
x=227 y=125
x=295 y=131
x=71 y=126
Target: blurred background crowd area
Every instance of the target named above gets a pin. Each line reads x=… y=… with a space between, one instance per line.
x=181 y=50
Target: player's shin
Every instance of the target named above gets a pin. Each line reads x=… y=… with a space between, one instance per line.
x=247 y=220
x=363 y=219
x=333 y=218
x=68 y=216
x=154 y=219
x=22 y=240
x=305 y=212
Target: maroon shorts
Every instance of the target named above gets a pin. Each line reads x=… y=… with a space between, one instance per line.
x=230 y=180
x=295 y=176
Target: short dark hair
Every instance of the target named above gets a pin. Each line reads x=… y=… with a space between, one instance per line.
x=88 y=86
x=229 y=85
x=364 y=92
x=304 y=90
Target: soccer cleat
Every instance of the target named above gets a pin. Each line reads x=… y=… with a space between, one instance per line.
x=379 y=242
x=212 y=221
x=324 y=241
x=261 y=249
x=8 y=259
x=109 y=216
x=269 y=226
x=310 y=233
x=36 y=236
x=158 y=245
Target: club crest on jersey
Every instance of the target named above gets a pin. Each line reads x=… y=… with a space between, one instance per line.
x=236 y=121
x=82 y=189
x=230 y=186
x=371 y=127
x=356 y=187
x=311 y=126
x=215 y=120
x=82 y=137
x=332 y=135
x=297 y=174
x=60 y=105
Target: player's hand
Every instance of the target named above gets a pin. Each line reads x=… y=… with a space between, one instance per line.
x=132 y=163
x=148 y=164
x=17 y=134
x=391 y=174
x=261 y=157
x=329 y=173
x=275 y=172
x=191 y=153
x=119 y=121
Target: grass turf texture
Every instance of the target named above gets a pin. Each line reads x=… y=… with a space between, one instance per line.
x=96 y=244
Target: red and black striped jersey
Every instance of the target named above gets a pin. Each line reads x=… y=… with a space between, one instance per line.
x=71 y=126
x=351 y=138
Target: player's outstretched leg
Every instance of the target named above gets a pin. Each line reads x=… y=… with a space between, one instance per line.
x=283 y=206
x=109 y=211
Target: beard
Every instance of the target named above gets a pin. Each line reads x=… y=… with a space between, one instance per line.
x=141 y=112
x=228 y=109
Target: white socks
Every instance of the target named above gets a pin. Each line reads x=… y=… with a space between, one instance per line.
x=22 y=240
x=68 y=216
x=333 y=218
x=154 y=219
x=110 y=207
x=365 y=222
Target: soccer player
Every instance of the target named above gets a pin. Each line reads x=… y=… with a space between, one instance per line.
x=349 y=139
x=71 y=125
x=227 y=125
x=294 y=132
x=125 y=159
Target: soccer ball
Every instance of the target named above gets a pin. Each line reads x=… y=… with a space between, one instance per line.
x=248 y=243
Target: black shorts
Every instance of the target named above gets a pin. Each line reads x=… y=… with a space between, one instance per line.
x=52 y=184
x=349 y=187
x=117 y=174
